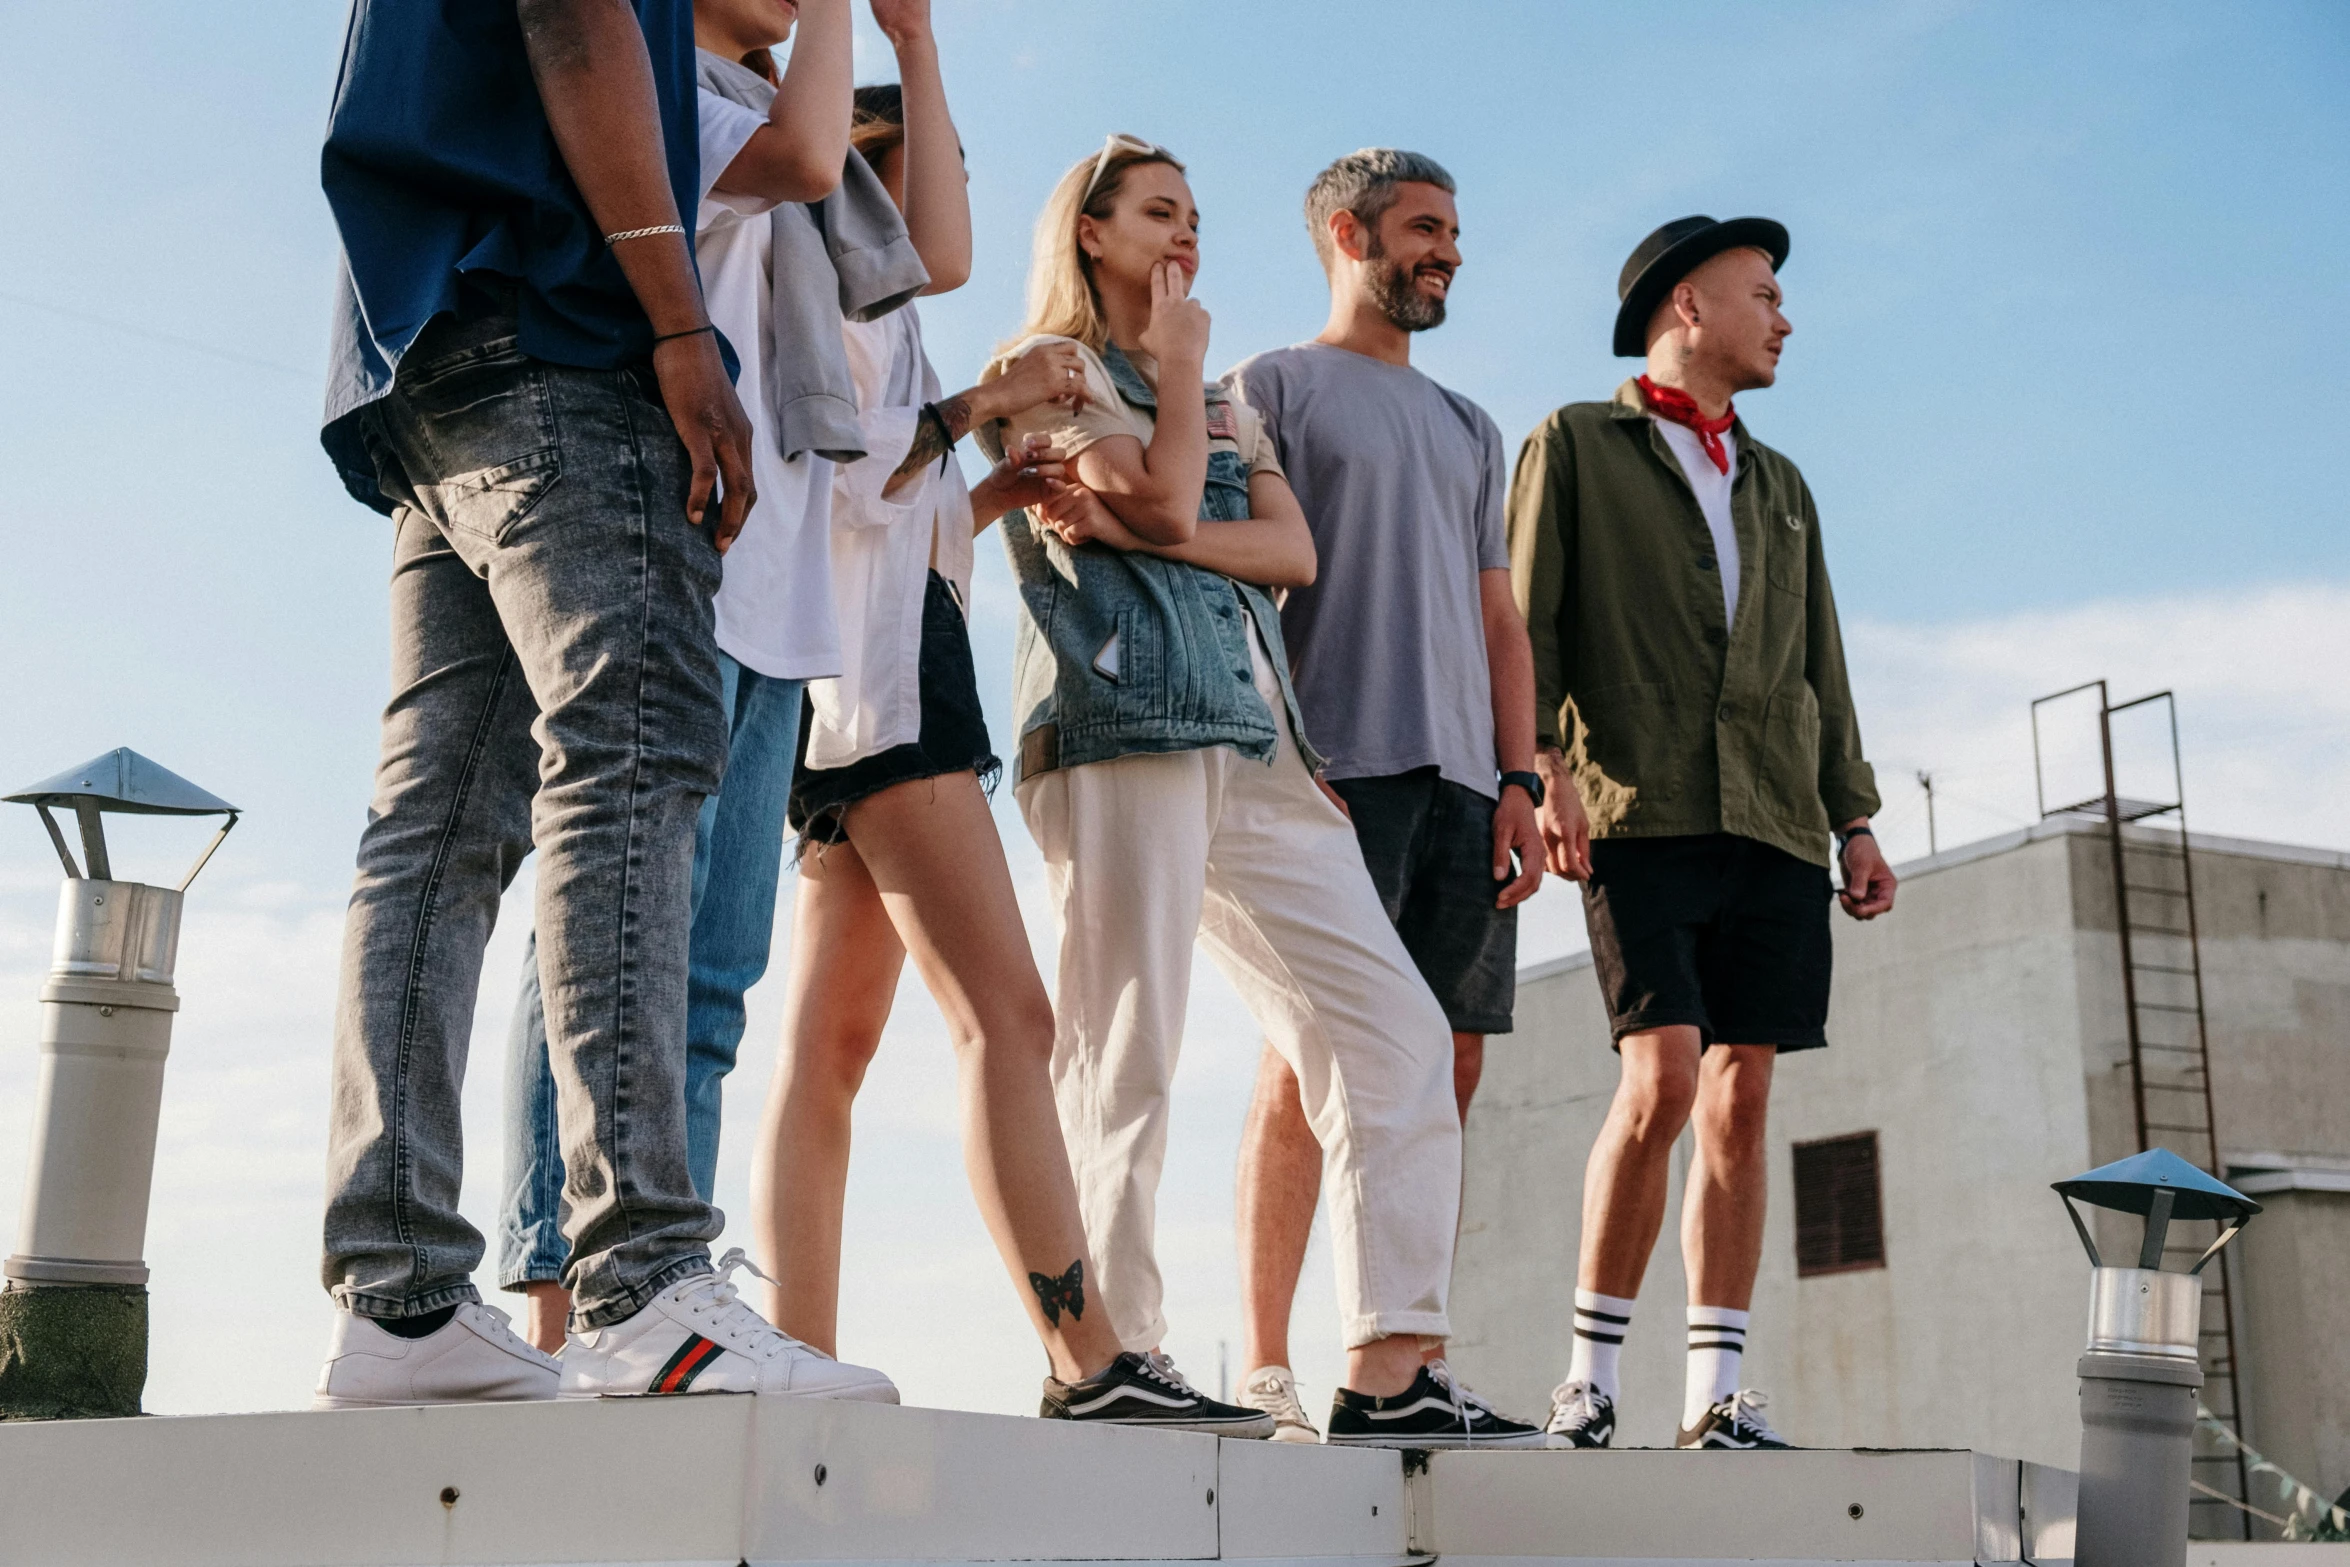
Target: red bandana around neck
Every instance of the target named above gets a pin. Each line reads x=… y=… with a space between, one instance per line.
x=1670 y=402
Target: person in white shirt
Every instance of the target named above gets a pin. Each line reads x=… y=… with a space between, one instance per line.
x=899 y=852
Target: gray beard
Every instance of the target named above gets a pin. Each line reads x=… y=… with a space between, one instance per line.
x=1390 y=287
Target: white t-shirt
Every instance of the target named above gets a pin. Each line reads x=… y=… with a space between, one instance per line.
x=774 y=605
x=1713 y=498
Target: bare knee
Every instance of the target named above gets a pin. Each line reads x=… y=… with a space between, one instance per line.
x=1655 y=1097
x=1733 y=1112
x=1014 y=1033
x=832 y=1057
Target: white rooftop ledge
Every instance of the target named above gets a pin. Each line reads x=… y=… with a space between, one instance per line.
x=725 y=1480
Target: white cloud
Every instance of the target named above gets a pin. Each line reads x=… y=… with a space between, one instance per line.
x=238 y=1314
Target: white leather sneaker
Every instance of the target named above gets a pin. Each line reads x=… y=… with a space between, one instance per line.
x=475 y=1358
x=698 y=1337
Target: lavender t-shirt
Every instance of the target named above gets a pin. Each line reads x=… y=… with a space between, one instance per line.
x=1402 y=482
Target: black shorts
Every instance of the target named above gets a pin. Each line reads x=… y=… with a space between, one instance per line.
x=1722 y=933
x=953 y=737
x=1428 y=843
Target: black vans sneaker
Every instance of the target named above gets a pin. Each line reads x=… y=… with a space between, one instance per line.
x=1736 y=1422
x=1581 y=1416
x=1147 y=1390
x=1432 y=1412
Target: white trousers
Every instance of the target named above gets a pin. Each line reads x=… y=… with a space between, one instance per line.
x=1144 y=855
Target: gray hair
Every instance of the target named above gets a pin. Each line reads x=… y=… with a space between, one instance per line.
x=1363 y=183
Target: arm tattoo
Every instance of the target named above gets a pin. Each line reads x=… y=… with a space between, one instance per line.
x=1067 y=1290
x=942 y=424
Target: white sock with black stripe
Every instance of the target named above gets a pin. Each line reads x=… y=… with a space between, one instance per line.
x=1601 y=1321
x=1717 y=1346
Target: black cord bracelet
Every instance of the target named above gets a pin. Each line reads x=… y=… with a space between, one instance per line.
x=946 y=432
x=671 y=337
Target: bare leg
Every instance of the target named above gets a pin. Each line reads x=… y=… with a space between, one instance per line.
x=845 y=961
x=1722 y=1210
x=932 y=850
x=1385 y=1366
x=1625 y=1181
x=546 y=1314
x=1468 y=1066
x=1279 y=1182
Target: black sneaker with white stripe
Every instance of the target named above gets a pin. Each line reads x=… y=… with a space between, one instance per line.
x=1581 y=1415
x=1147 y=1390
x=1736 y=1423
x=1433 y=1412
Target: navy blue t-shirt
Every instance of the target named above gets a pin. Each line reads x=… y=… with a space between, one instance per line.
x=439 y=163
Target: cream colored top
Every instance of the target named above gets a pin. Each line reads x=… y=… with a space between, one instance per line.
x=1233 y=426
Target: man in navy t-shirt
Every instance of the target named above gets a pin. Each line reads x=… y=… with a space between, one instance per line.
x=525 y=381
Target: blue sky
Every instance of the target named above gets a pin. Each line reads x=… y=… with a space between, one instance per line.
x=2069 y=300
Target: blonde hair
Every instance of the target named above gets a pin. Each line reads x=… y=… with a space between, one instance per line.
x=1062 y=300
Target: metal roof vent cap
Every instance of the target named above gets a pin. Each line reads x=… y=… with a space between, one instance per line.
x=121 y=781
x=2142 y=1369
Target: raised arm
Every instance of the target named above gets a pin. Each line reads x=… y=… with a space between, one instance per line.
x=1155 y=490
x=797 y=154
x=938 y=200
x=596 y=83
x=1047 y=373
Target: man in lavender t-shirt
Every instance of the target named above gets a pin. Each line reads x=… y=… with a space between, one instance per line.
x=1411 y=666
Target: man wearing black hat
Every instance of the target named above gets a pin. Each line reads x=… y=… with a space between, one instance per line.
x=1699 y=752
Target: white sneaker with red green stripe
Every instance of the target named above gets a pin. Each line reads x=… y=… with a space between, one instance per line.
x=697 y=1336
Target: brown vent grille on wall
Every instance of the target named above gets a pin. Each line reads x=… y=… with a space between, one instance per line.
x=1839 y=1212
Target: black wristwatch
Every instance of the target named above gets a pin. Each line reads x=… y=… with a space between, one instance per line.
x=1530 y=782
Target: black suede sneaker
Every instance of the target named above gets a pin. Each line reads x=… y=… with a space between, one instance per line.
x=1581 y=1416
x=1736 y=1423
x=1432 y=1412
x=1147 y=1390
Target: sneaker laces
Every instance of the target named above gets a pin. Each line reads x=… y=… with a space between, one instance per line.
x=1462 y=1393
x=500 y=1329
x=1162 y=1368
x=716 y=1299
x=1441 y=1374
x=1745 y=1408
x=1276 y=1392
x=1572 y=1404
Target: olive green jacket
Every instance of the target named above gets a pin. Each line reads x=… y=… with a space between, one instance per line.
x=1672 y=721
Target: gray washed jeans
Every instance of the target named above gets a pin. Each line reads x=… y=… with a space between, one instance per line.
x=554 y=681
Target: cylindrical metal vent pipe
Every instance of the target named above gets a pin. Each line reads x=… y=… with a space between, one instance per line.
x=105 y=1031
x=2139 y=1378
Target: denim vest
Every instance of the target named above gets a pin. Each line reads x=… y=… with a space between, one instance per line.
x=1182 y=679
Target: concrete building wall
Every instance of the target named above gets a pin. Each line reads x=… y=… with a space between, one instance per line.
x=1978 y=1031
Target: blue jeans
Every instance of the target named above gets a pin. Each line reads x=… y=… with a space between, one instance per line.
x=738 y=864
x=541 y=696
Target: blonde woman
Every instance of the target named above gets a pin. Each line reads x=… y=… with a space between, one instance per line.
x=900 y=854
x=1163 y=771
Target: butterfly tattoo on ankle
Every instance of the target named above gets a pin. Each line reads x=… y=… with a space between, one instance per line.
x=1067 y=1290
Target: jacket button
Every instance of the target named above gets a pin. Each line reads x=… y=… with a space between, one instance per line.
x=1716 y=636
x=1727 y=711
x=1240 y=674
x=1705 y=563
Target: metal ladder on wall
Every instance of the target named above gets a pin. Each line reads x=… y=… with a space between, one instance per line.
x=2170 y=1055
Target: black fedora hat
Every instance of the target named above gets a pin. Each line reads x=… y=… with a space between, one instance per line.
x=1671 y=254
